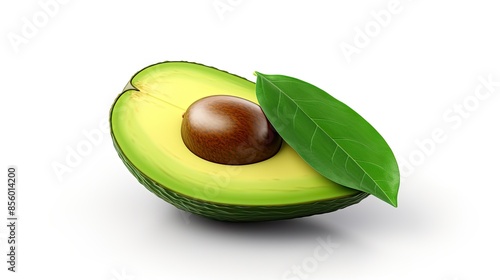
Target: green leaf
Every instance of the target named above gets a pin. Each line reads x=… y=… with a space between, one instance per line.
x=331 y=137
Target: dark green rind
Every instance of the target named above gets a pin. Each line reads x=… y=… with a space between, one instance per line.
x=237 y=213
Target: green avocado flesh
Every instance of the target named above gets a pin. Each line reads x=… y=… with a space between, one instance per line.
x=145 y=127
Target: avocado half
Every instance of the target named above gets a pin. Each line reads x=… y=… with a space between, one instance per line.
x=146 y=131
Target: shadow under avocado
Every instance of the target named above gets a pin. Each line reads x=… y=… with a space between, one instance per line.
x=306 y=227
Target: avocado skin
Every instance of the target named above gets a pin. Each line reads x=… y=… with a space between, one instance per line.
x=238 y=213
x=231 y=212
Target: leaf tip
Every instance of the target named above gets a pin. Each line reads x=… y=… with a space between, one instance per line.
x=257 y=74
x=390 y=199
x=393 y=202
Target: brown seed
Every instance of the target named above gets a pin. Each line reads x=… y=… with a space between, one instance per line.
x=229 y=130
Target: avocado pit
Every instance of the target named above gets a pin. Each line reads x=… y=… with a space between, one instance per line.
x=229 y=130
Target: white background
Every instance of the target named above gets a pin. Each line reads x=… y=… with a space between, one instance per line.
x=408 y=79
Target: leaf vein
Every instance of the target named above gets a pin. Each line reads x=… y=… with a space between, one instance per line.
x=295 y=116
x=312 y=138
